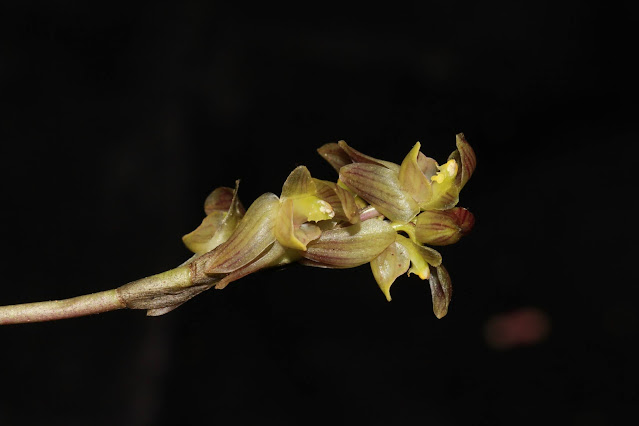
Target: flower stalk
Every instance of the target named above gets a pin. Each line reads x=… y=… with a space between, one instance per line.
x=378 y=212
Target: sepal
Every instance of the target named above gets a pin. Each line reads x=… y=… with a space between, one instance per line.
x=443 y=227
x=381 y=188
x=350 y=246
x=390 y=264
x=441 y=290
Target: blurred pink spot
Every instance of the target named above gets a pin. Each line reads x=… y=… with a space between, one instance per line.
x=523 y=327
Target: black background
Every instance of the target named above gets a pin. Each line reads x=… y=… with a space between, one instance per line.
x=117 y=121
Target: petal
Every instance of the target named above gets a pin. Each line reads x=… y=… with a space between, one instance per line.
x=421 y=257
x=198 y=240
x=381 y=188
x=253 y=235
x=464 y=155
x=389 y=265
x=411 y=177
x=358 y=157
x=298 y=183
x=351 y=246
x=443 y=227
x=222 y=199
x=301 y=190
x=335 y=155
x=441 y=290
x=218 y=226
x=349 y=205
x=292 y=235
x=445 y=191
x=327 y=191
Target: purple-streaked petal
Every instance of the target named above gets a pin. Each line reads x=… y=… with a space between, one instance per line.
x=221 y=199
x=443 y=227
x=351 y=246
x=274 y=255
x=465 y=156
x=252 y=236
x=335 y=155
x=380 y=187
x=358 y=157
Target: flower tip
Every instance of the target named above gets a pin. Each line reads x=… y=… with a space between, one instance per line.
x=440 y=314
x=466 y=220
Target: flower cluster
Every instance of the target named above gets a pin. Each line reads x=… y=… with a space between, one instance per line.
x=378 y=212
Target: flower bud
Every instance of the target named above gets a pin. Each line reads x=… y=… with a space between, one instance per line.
x=443 y=227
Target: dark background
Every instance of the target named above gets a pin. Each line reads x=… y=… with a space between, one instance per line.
x=117 y=121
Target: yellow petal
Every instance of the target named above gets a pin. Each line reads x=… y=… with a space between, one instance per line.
x=218 y=226
x=445 y=193
x=198 y=240
x=411 y=177
x=301 y=191
x=298 y=183
x=389 y=265
x=421 y=257
x=292 y=235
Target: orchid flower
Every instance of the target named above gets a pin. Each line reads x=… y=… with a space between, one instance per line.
x=378 y=212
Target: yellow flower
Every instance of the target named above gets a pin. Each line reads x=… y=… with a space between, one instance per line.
x=378 y=212
x=400 y=193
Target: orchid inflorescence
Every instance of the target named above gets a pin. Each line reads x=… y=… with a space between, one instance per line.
x=378 y=212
